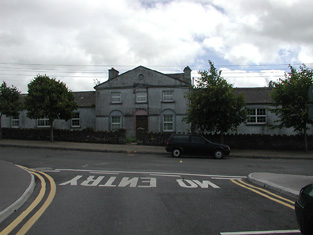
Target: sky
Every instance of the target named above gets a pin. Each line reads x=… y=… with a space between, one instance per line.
x=77 y=41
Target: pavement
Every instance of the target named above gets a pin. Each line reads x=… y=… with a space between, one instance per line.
x=17 y=184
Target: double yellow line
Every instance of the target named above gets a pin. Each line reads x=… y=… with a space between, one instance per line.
x=28 y=224
x=265 y=193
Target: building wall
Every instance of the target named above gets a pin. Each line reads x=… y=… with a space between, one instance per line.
x=86 y=119
x=130 y=85
x=155 y=108
x=266 y=128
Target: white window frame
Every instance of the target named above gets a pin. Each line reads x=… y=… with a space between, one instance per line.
x=15 y=121
x=116 y=97
x=76 y=119
x=257 y=115
x=168 y=96
x=141 y=97
x=168 y=122
x=46 y=122
x=115 y=125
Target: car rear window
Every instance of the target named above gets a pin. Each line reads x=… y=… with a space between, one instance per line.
x=180 y=138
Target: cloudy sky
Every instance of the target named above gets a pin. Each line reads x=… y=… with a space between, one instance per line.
x=77 y=41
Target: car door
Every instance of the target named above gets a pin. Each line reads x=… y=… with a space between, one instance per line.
x=182 y=142
x=198 y=145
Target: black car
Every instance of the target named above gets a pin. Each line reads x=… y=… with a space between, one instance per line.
x=304 y=210
x=179 y=144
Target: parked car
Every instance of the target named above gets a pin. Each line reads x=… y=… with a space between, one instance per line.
x=304 y=210
x=179 y=144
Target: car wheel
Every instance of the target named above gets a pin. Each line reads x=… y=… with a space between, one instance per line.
x=218 y=154
x=176 y=152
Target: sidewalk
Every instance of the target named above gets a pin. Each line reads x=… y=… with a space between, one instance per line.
x=16 y=184
x=144 y=149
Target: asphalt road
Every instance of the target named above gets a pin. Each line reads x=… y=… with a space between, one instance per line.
x=107 y=193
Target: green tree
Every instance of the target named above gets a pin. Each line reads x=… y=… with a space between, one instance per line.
x=10 y=102
x=291 y=99
x=213 y=106
x=48 y=98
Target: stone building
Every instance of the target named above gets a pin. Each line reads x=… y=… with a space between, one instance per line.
x=151 y=101
x=143 y=99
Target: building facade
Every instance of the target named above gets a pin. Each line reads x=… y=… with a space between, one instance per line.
x=84 y=116
x=260 y=119
x=148 y=100
x=143 y=99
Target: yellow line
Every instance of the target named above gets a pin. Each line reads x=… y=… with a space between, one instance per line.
x=266 y=191
x=262 y=194
x=22 y=216
x=39 y=213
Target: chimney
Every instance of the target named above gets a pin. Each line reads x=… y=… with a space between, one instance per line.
x=187 y=75
x=113 y=73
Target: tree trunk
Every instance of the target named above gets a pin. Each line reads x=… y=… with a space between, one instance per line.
x=0 y=127
x=222 y=137
x=51 y=131
x=306 y=147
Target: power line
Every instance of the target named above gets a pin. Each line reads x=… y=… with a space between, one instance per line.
x=167 y=66
x=59 y=70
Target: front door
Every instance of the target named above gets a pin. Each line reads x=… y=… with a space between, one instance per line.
x=142 y=122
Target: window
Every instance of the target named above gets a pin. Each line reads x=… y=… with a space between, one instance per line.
x=141 y=97
x=256 y=116
x=197 y=140
x=15 y=121
x=76 y=120
x=168 y=122
x=141 y=76
x=168 y=96
x=43 y=122
x=115 y=123
x=116 y=97
x=181 y=138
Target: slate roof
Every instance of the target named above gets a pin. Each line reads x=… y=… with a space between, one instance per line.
x=85 y=99
x=179 y=76
x=257 y=95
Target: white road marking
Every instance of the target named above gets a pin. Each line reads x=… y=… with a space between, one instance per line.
x=262 y=232
x=72 y=181
x=225 y=178
x=184 y=183
x=104 y=173
x=147 y=172
x=178 y=176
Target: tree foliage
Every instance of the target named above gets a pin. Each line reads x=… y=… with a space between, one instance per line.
x=290 y=96
x=49 y=98
x=213 y=106
x=10 y=102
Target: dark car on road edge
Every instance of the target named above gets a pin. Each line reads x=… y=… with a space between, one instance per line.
x=179 y=144
x=304 y=210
